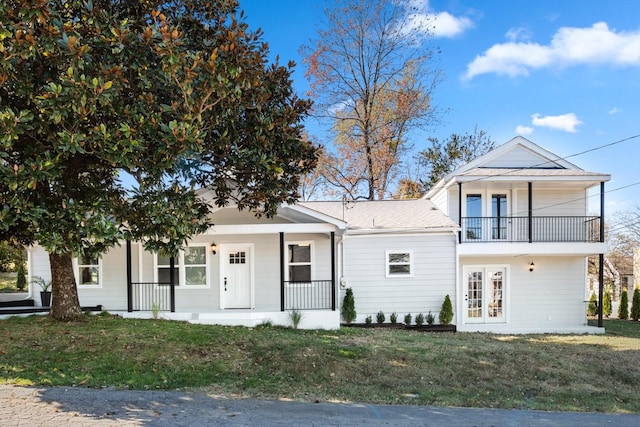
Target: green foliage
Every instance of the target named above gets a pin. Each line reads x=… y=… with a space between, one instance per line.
x=592 y=308
x=155 y=311
x=21 y=277
x=11 y=256
x=623 y=308
x=419 y=319
x=606 y=304
x=430 y=319
x=295 y=316
x=368 y=321
x=45 y=285
x=175 y=96
x=348 y=310
x=380 y=317
x=446 y=312
x=407 y=319
x=635 y=305
x=393 y=318
x=444 y=157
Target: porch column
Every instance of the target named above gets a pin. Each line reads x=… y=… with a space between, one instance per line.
x=333 y=271
x=530 y=209
x=172 y=284
x=460 y=211
x=602 y=212
x=281 y=271
x=129 y=285
x=600 y=289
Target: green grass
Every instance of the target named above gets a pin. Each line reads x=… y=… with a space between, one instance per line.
x=8 y=282
x=379 y=365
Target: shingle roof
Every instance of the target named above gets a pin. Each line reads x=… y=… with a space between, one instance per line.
x=418 y=214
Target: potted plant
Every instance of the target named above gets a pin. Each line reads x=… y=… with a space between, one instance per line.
x=45 y=294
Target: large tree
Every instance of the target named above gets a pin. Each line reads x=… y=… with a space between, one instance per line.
x=443 y=157
x=173 y=95
x=372 y=78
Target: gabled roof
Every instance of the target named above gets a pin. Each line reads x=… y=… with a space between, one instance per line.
x=415 y=215
x=517 y=159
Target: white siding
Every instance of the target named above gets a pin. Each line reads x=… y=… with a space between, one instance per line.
x=518 y=157
x=551 y=298
x=433 y=278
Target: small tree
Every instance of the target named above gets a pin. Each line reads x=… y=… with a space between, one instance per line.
x=380 y=317
x=606 y=304
x=348 y=307
x=592 y=308
x=446 y=312
x=394 y=318
x=419 y=319
x=623 y=309
x=21 y=278
x=407 y=319
x=635 y=305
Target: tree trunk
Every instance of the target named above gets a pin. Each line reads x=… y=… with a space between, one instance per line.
x=65 y=305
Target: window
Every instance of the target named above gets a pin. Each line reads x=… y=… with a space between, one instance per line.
x=399 y=263
x=190 y=267
x=299 y=261
x=88 y=270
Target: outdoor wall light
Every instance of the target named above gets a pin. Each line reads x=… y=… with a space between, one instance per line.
x=532 y=266
x=214 y=247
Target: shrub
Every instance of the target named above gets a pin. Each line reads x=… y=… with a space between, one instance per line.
x=295 y=316
x=446 y=312
x=430 y=319
x=407 y=319
x=606 y=304
x=21 y=278
x=623 y=309
x=368 y=320
x=635 y=305
x=393 y=318
x=380 y=318
x=592 y=308
x=348 y=307
x=419 y=319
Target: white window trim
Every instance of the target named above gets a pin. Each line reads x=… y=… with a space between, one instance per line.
x=76 y=270
x=179 y=263
x=310 y=263
x=389 y=275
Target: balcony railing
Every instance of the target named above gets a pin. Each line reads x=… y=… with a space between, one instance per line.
x=538 y=229
x=149 y=296
x=311 y=295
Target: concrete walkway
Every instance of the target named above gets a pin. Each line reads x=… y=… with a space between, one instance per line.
x=27 y=406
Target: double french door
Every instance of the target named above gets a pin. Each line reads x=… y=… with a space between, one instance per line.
x=484 y=294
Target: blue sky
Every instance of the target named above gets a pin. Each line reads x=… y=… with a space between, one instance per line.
x=564 y=74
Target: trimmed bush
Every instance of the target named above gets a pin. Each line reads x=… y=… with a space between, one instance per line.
x=21 y=278
x=380 y=318
x=623 y=309
x=592 y=308
x=635 y=305
x=368 y=320
x=348 y=311
x=393 y=318
x=446 y=312
x=407 y=319
x=606 y=304
x=419 y=319
x=430 y=319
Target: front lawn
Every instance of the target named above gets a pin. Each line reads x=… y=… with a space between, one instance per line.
x=548 y=372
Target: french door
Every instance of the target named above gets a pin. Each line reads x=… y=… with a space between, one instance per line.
x=484 y=294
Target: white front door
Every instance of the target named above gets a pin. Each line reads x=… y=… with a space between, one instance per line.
x=484 y=294
x=236 y=275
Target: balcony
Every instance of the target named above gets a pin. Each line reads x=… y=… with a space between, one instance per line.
x=570 y=229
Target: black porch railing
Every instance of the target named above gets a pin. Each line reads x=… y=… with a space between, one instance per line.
x=539 y=229
x=311 y=295
x=150 y=296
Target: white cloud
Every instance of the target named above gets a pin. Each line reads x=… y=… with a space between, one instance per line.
x=524 y=130
x=615 y=110
x=566 y=122
x=520 y=33
x=595 y=45
x=421 y=18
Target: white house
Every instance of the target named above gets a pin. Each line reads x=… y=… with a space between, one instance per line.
x=506 y=236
